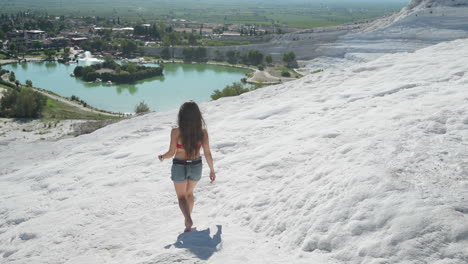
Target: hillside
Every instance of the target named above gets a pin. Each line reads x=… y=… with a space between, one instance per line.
x=420 y=24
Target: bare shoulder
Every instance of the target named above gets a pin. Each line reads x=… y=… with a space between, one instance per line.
x=175 y=131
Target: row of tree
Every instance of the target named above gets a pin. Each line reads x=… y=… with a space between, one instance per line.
x=126 y=46
x=194 y=54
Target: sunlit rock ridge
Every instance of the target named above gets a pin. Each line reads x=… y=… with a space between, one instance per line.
x=418 y=25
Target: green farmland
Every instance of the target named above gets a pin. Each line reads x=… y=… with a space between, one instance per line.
x=295 y=13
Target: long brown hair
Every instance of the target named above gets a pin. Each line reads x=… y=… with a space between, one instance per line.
x=191 y=124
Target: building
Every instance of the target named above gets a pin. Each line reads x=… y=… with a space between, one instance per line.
x=78 y=41
x=34 y=35
x=229 y=34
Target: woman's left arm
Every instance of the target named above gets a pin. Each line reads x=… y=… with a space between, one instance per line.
x=172 y=146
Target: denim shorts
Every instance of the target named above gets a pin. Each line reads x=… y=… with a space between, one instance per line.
x=182 y=173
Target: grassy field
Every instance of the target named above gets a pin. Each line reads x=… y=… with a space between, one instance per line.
x=293 y=13
x=58 y=110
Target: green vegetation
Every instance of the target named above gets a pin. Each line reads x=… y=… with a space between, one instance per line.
x=252 y=57
x=230 y=90
x=165 y=53
x=8 y=84
x=290 y=59
x=225 y=42
x=55 y=109
x=12 y=77
x=21 y=104
x=50 y=53
x=194 y=54
x=285 y=74
x=78 y=100
x=112 y=71
x=294 y=13
x=142 y=107
x=233 y=56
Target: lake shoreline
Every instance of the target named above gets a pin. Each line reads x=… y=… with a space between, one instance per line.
x=179 y=83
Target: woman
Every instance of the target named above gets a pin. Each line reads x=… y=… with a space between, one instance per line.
x=186 y=141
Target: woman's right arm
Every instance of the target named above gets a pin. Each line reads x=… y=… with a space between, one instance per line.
x=172 y=146
x=208 y=157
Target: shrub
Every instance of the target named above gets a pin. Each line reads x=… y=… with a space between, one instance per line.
x=194 y=54
x=142 y=107
x=255 y=57
x=290 y=59
x=165 y=53
x=268 y=59
x=25 y=103
x=285 y=74
x=12 y=77
x=29 y=83
x=230 y=90
x=233 y=56
x=261 y=66
x=8 y=84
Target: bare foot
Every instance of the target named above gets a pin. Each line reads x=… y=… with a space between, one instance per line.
x=188 y=225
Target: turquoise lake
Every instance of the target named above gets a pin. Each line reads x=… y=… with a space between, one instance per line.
x=181 y=82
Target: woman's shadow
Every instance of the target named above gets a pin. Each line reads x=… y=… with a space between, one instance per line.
x=199 y=242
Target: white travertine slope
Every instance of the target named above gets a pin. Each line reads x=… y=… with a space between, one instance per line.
x=365 y=162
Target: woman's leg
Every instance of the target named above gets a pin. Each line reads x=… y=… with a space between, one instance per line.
x=189 y=193
x=180 y=188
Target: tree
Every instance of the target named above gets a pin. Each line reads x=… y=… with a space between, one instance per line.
x=66 y=53
x=29 y=83
x=268 y=59
x=165 y=53
x=188 y=54
x=50 y=53
x=218 y=55
x=22 y=104
x=128 y=46
x=139 y=30
x=290 y=59
x=233 y=56
x=12 y=77
x=12 y=46
x=200 y=54
x=255 y=57
x=171 y=39
x=194 y=54
x=108 y=62
x=192 y=40
x=142 y=107
x=37 y=45
x=22 y=50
